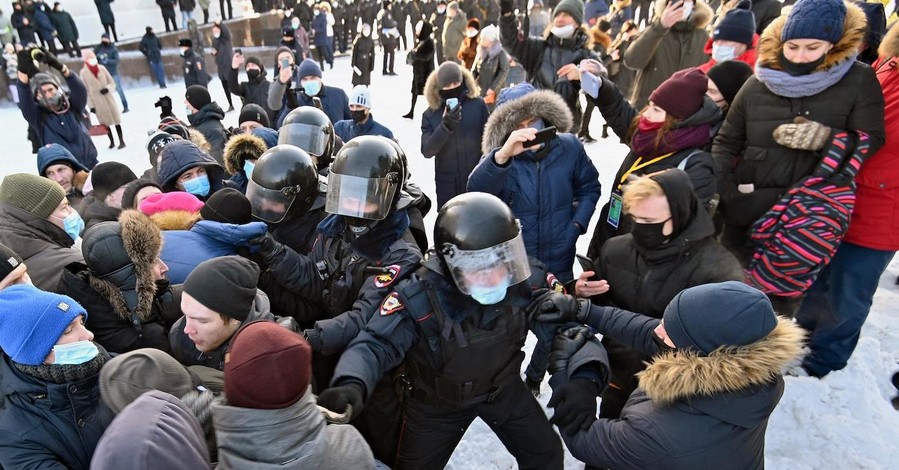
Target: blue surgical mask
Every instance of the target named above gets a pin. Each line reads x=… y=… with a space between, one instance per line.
x=198 y=186
x=248 y=168
x=75 y=353
x=538 y=124
x=489 y=295
x=312 y=87
x=722 y=53
x=73 y=224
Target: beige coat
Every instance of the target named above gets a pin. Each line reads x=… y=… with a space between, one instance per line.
x=107 y=110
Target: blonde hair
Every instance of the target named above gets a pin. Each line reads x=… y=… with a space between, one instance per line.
x=639 y=190
x=324 y=6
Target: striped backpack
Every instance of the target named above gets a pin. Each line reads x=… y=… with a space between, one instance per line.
x=799 y=235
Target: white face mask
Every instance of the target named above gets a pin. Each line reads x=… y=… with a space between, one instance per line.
x=216 y=35
x=722 y=53
x=563 y=32
x=472 y=33
x=92 y=62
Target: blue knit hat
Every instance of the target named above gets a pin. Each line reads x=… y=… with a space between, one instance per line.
x=309 y=67
x=737 y=25
x=815 y=19
x=32 y=320
x=513 y=93
x=269 y=136
x=706 y=317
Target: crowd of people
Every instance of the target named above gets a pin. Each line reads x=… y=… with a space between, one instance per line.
x=269 y=295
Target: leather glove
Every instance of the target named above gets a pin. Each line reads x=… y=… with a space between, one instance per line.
x=555 y=307
x=267 y=247
x=575 y=405
x=343 y=399
x=26 y=63
x=314 y=338
x=566 y=344
x=104 y=91
x=505 y=6
x=451 y=119
x=52 y=61
x=802 y=134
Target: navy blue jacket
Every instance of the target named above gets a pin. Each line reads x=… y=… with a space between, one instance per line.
x=320 y=26
x=183 y=156
x=594 y=9
x=335 y=102
x=348 y=129
x=108 y=56
x=151 y=47
x=183 y=250
x=44 y=24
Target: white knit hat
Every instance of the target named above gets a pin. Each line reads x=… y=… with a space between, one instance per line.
x=360 y=96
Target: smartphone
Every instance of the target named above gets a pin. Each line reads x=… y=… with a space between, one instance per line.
x=586 y=263
x=451 y=103
x=543 y=136
x=688 y=9
x=590 y=84
x=238 y=51
x=285 y=63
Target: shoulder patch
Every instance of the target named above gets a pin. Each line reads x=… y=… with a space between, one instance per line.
x=391 y=304
x=387 y=277
x=554 y=284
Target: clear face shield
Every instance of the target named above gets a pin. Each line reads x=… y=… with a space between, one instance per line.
x=362 y=198
x=271 y=205
x=307 y=137
x=498 y=266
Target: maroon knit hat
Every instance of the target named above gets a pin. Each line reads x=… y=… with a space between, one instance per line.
x=681 y=95
x=268 y=367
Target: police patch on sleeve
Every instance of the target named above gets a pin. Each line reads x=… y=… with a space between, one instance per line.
x=391 y=304
x=388 y=276
x=554 y=284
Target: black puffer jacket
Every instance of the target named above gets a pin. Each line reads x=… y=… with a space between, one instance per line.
x=252 y=91
x=208 y=120
x=223 y=51
x=422 y=57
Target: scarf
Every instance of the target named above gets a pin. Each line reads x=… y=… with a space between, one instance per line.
x=643 y=143
x=95 y=69
x=783 y=84
x=66 y=373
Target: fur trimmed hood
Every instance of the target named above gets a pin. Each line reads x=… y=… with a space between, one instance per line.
x=854 y=27
x=545 y=104
x=702 y=13
x=433 y=94
x=175 y=220
x=889 y=47
x=79 y=180
x=239 y=148
x=681 y=375
x=199 y=140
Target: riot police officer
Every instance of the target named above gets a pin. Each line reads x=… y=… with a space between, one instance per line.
x=309 y=128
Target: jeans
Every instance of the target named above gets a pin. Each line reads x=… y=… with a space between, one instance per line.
x=158 y=71
x=837 y=304
x=185 y=17
x=118 y=88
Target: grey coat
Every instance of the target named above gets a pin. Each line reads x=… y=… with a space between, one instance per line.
x=45 y=248
x=491 y=72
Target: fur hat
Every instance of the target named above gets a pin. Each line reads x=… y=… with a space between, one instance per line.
x=107 y=177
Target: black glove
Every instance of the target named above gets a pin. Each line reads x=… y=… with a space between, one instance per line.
x=575 y=405
x=555 y=307
x=451 y=119
x=505 y=6
x=26 y=63
x=51 y=60
x=268 y=248
x=93 y=110
x=338 y=399
x=314 y=338
x=104 y=91
x=533 y=386
x=565 y=344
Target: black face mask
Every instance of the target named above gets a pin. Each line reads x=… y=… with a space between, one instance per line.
x=451 y=93
x=649 y=236
x=105 y=43
x=663 y=347
x=358 y=226
x=253 y=74
x=795 y=69
x=358 y=115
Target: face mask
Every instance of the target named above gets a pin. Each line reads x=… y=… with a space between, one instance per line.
x=359 y=115
x=688 y=10
x=92 y=62
x=723 y=53
x=253 y=74
x=105 y=43
x=490 y=295
x=472 y=33
x=75 y=353
x=663 y=346
x=441 y=11
x=187 y=110
x=248 y=168
x=56 y=103
x=795 y=69
x=312 y=87
x=216 y=35
x=451 y=93
x=644 y=125
x=295 y=25
x=198 y=186
x=649 y=235
x=359 y=226
x=73 y=224
x=563 y=32
x=366 y=32
x=184 y=51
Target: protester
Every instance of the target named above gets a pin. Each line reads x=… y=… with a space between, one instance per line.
x=295 y=89
x=137 y=191
x=176 y=210
x=56 y=163
x=422 y=58
x=185 y=167
x=167 y=7
x=255 y=89
x=66 y=29
x=491 y=65
x=363 y=57
x=223 y=52
x=151 y=48
x=362 y=123
x=108 y=56
x=725 y=81
x=733 y=38
x=100 y=101
x=107 y=17
x=453 y=31
x=104 y=203
x=206 y=117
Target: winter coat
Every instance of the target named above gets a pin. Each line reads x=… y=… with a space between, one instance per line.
x=24 y=32
x=66 y=29
x=223 y=52
x=713 y=415
x=66 y=129
x=295 y=437
x=108 y=56
x=454 y=157
x=104 y=105
x=195 y=69
x=185 y=158
x=93 y=211
x=57 y=155
x=453 y=34
x=335 y=102
x=187 y=5
x=208 y=120
x=348 y=129
x=183 y=250
x=43 y=22
x=875 y=220
x=744 y=149
x=749 y=57
x=468 y=50
x=765 y=12
x=104 y=8
x=320 y=26
x=167 y=7
x=659 y=52
x=553 y=195
x=45 y=248
x=363 y=59
x=251 y=91
x=422 y=57
x=48 y=425
x=184 y=350
x=151 y=47
x=492 y=71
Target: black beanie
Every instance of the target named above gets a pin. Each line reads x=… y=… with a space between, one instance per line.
x=9 y=260
x=132 y=189
x=253 y=112
x=197 y=96
x=225 y=285
x=737 y=25
x=730 y=77
x=227 y=206
x=109 y=176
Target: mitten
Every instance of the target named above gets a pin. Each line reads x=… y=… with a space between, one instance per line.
x=802 y=134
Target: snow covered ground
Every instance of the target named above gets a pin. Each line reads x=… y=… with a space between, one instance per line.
x=843 y=421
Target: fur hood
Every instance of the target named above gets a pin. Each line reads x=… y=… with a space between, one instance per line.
x=541 y=103
x=433 y=94
x=889 y=47
x=142 y=242
x=239 y=148
x=701 y=17
x=199 y=140
x=79 y=180
x=854 y=28
x=175 y=220
x=681 y=375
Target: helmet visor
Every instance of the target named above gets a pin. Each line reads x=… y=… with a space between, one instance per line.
x=506 y=263
x=365 y=198
x=307 y=137
x=270 y=205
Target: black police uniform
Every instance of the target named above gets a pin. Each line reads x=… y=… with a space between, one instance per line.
x=194 y=69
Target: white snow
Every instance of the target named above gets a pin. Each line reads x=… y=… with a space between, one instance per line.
x=843 y=421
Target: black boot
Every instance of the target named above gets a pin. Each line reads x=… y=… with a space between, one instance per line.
x=605 y=131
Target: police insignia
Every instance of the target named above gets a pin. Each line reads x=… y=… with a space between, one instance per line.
x=388 y=276
x=391 y=304
x=554 y=284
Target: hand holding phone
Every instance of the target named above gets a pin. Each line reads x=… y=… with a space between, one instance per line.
x=451 y=103
x=590 y=84
x=688 y=9
x=542 y=136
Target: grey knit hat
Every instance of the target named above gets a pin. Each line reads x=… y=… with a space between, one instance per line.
x=448 y=73
x=31 y=193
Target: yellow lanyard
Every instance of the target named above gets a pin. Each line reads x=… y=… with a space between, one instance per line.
x=639 y=166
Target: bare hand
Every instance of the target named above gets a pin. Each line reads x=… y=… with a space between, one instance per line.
x=673 y=13
x=586 y=288
x=285 y=74
x=513 y=145
x=569 y=71
x=237 y=61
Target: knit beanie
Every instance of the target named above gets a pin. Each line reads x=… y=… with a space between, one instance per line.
x=360 y=96
x=9 y=260
x=514 y=92
x=184 y=42
x=253 y=112
x=448 y=73
x=109 y=176
x=197 y=96
x=268 y=367
x=490 y=33
x=225 y=285
x=815 y=19
x=737 y=25
x=268 y=135
x=575 y=8
x=706 y=317
x=681 y=95
x=173 y=201
x=228 y=206
x=730 y=76
x=127 y=376
x=172 y=125
x=309 y=67
x=31 y=193
x=258 y=62
x=32 y=320
x=131 y=190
